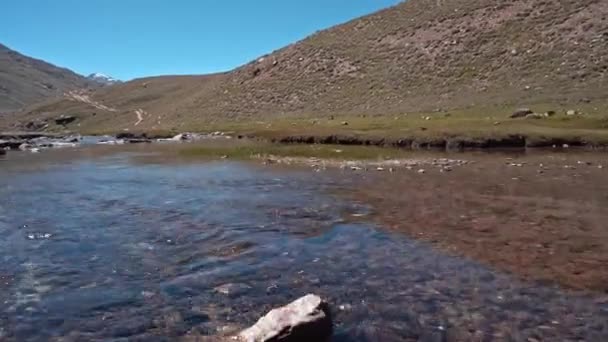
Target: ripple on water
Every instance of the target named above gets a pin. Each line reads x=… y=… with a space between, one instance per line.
x=154 y=251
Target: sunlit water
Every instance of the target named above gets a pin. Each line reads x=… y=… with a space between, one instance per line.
x=123 y=246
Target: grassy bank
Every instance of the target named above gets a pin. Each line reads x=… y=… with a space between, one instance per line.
x=473 y=125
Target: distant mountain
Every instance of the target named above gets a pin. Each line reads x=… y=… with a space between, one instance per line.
x=418 y=56
x=25 y=80
x=102 y=79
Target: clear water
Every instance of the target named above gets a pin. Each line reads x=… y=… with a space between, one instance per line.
x=126 y=245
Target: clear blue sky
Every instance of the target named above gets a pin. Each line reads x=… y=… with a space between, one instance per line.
x=134 y=38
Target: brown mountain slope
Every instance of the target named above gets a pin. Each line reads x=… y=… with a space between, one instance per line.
x=420 y=55
x=25 y=81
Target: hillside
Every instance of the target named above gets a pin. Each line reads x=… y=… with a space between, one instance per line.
x=25 y=81
x=419 y=56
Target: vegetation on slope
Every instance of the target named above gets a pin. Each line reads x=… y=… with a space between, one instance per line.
x=476 y=60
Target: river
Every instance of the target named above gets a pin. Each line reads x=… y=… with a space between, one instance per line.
x=131 y=243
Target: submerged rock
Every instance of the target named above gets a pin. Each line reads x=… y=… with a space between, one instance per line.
x=232 y=289
x=306 y=319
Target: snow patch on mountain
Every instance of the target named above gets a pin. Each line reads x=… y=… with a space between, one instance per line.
x=102 y=78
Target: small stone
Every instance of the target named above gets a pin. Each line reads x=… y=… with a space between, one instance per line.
x=232 y=289
x=345 y=307
x=571 y=112
x=421 y=171
x=344 y=123
x=380 y=169
x=147 y=294
x=565 y=146
x=272 y=288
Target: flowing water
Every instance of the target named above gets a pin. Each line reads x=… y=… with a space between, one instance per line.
x=130 y=244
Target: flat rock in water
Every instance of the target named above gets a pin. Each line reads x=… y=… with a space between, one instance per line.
x=306 y=319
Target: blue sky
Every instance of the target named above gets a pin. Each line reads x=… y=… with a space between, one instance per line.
x=134 y=38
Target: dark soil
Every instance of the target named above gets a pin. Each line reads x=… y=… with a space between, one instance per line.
x=449 y=144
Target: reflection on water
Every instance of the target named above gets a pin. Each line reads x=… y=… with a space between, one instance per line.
x=103 y=248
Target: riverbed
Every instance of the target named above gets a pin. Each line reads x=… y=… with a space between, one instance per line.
x=119 y=243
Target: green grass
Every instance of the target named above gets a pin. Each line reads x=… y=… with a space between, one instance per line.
x=468 y=124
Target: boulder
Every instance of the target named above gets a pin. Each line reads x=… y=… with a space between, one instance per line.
x=65 y=119
x=306 y=319
x=36 y=125
x=521 y=113
x=180 y=137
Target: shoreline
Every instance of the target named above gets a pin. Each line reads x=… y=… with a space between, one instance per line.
x=447 y=144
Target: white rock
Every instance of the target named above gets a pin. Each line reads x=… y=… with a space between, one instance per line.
x=306 y=319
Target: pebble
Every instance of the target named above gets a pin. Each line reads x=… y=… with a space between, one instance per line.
x=421 y=171
x=232 y=289
x=345 y=307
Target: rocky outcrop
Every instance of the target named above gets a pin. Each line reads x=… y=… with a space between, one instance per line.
x=306 y=319
x=35 y=141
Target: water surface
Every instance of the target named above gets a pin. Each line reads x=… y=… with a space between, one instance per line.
x=125 y=245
